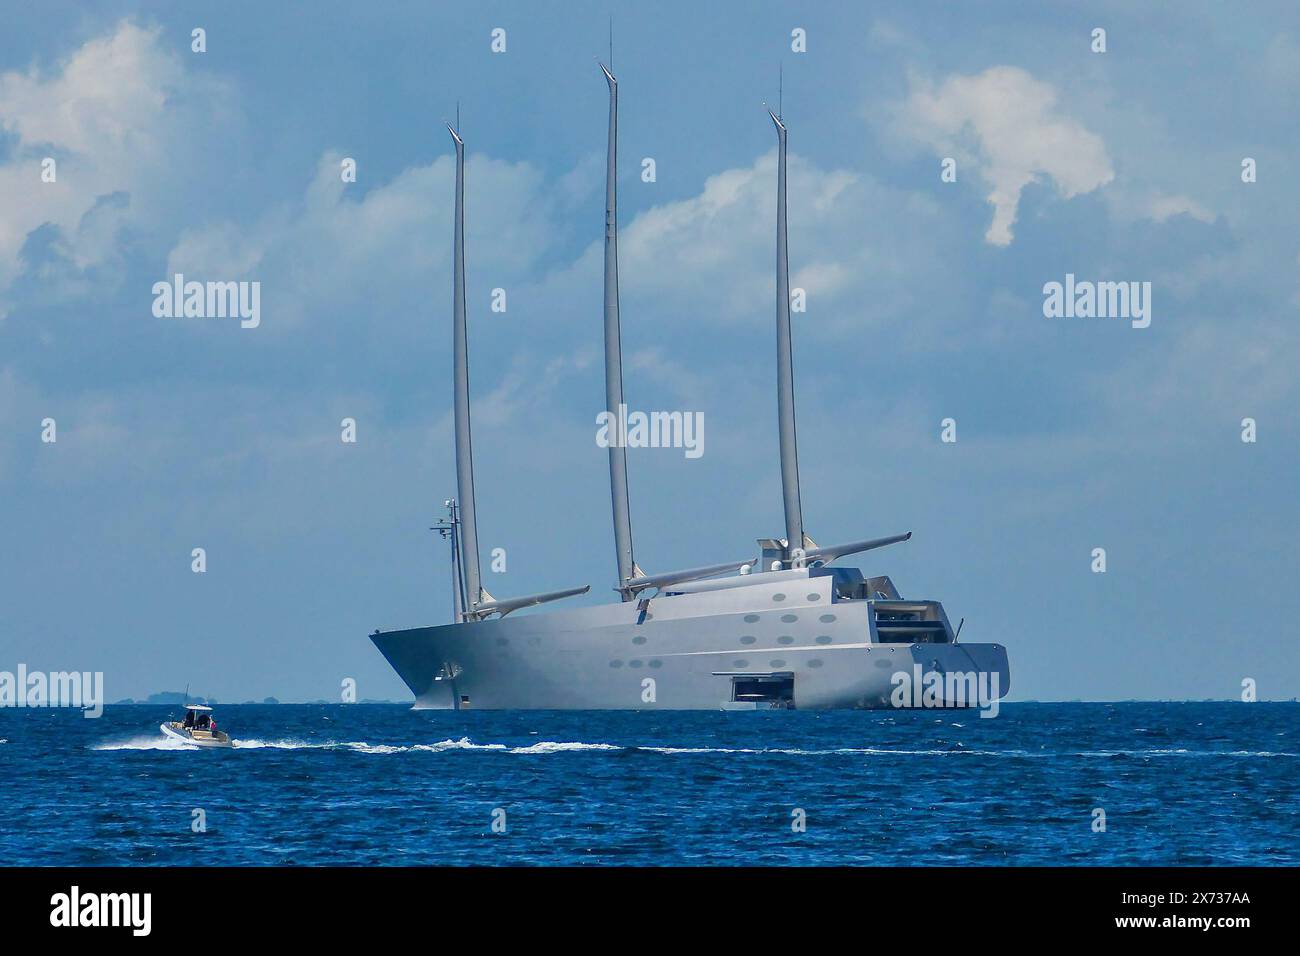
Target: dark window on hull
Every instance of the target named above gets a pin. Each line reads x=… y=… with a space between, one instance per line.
x=902 y=622
x=777 y=691
x=911 y=632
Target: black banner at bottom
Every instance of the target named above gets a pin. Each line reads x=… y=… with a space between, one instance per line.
x=202 y=906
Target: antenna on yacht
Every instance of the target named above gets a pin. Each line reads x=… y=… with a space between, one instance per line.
x=449 y=528
x=477 y=603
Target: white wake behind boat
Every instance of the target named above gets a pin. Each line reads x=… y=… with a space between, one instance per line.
x=197 y=728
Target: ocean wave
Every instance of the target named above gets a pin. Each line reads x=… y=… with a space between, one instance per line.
x=253 y=743
x=555 y=747
x=441 y=746
x=146 y=743
x=543 y=747
x=463 y=743
x=1181 y=752
x=1259 y=753
x=359 y=746
x=865 y=751
x=365 y=748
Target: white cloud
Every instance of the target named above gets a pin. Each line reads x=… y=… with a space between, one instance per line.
x=118 y=117
x=710 y=258
x=336 y=249
x=704 y=259
x=1161 y=207
x=1007 y=127
x=528 y=384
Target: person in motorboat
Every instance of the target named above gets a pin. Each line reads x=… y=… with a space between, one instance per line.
x=198 y=727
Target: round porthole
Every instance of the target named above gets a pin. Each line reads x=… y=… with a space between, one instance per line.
x=814 y=597
x=827 y=618
x=778 y=597
x=748 y=639
x=823 y=639
x=785 y=639
x=638 y=639
x=789 y=618
x=814 y=663
x=751 y=618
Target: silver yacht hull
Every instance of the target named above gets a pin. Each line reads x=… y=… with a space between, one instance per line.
x=693 y=651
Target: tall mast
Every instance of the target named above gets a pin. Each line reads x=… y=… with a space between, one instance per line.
x=460 y=378
x=477 y=603
x=614 y=358
x=809 y=554
x=785 y=363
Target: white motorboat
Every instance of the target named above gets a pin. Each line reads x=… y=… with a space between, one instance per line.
x=198 y=728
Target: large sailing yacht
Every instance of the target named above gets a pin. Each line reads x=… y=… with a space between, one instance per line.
x=787 y=628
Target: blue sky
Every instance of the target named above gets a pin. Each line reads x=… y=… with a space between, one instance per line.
x=925 y=302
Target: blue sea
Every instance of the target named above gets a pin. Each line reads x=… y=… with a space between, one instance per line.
x=1179 y=784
